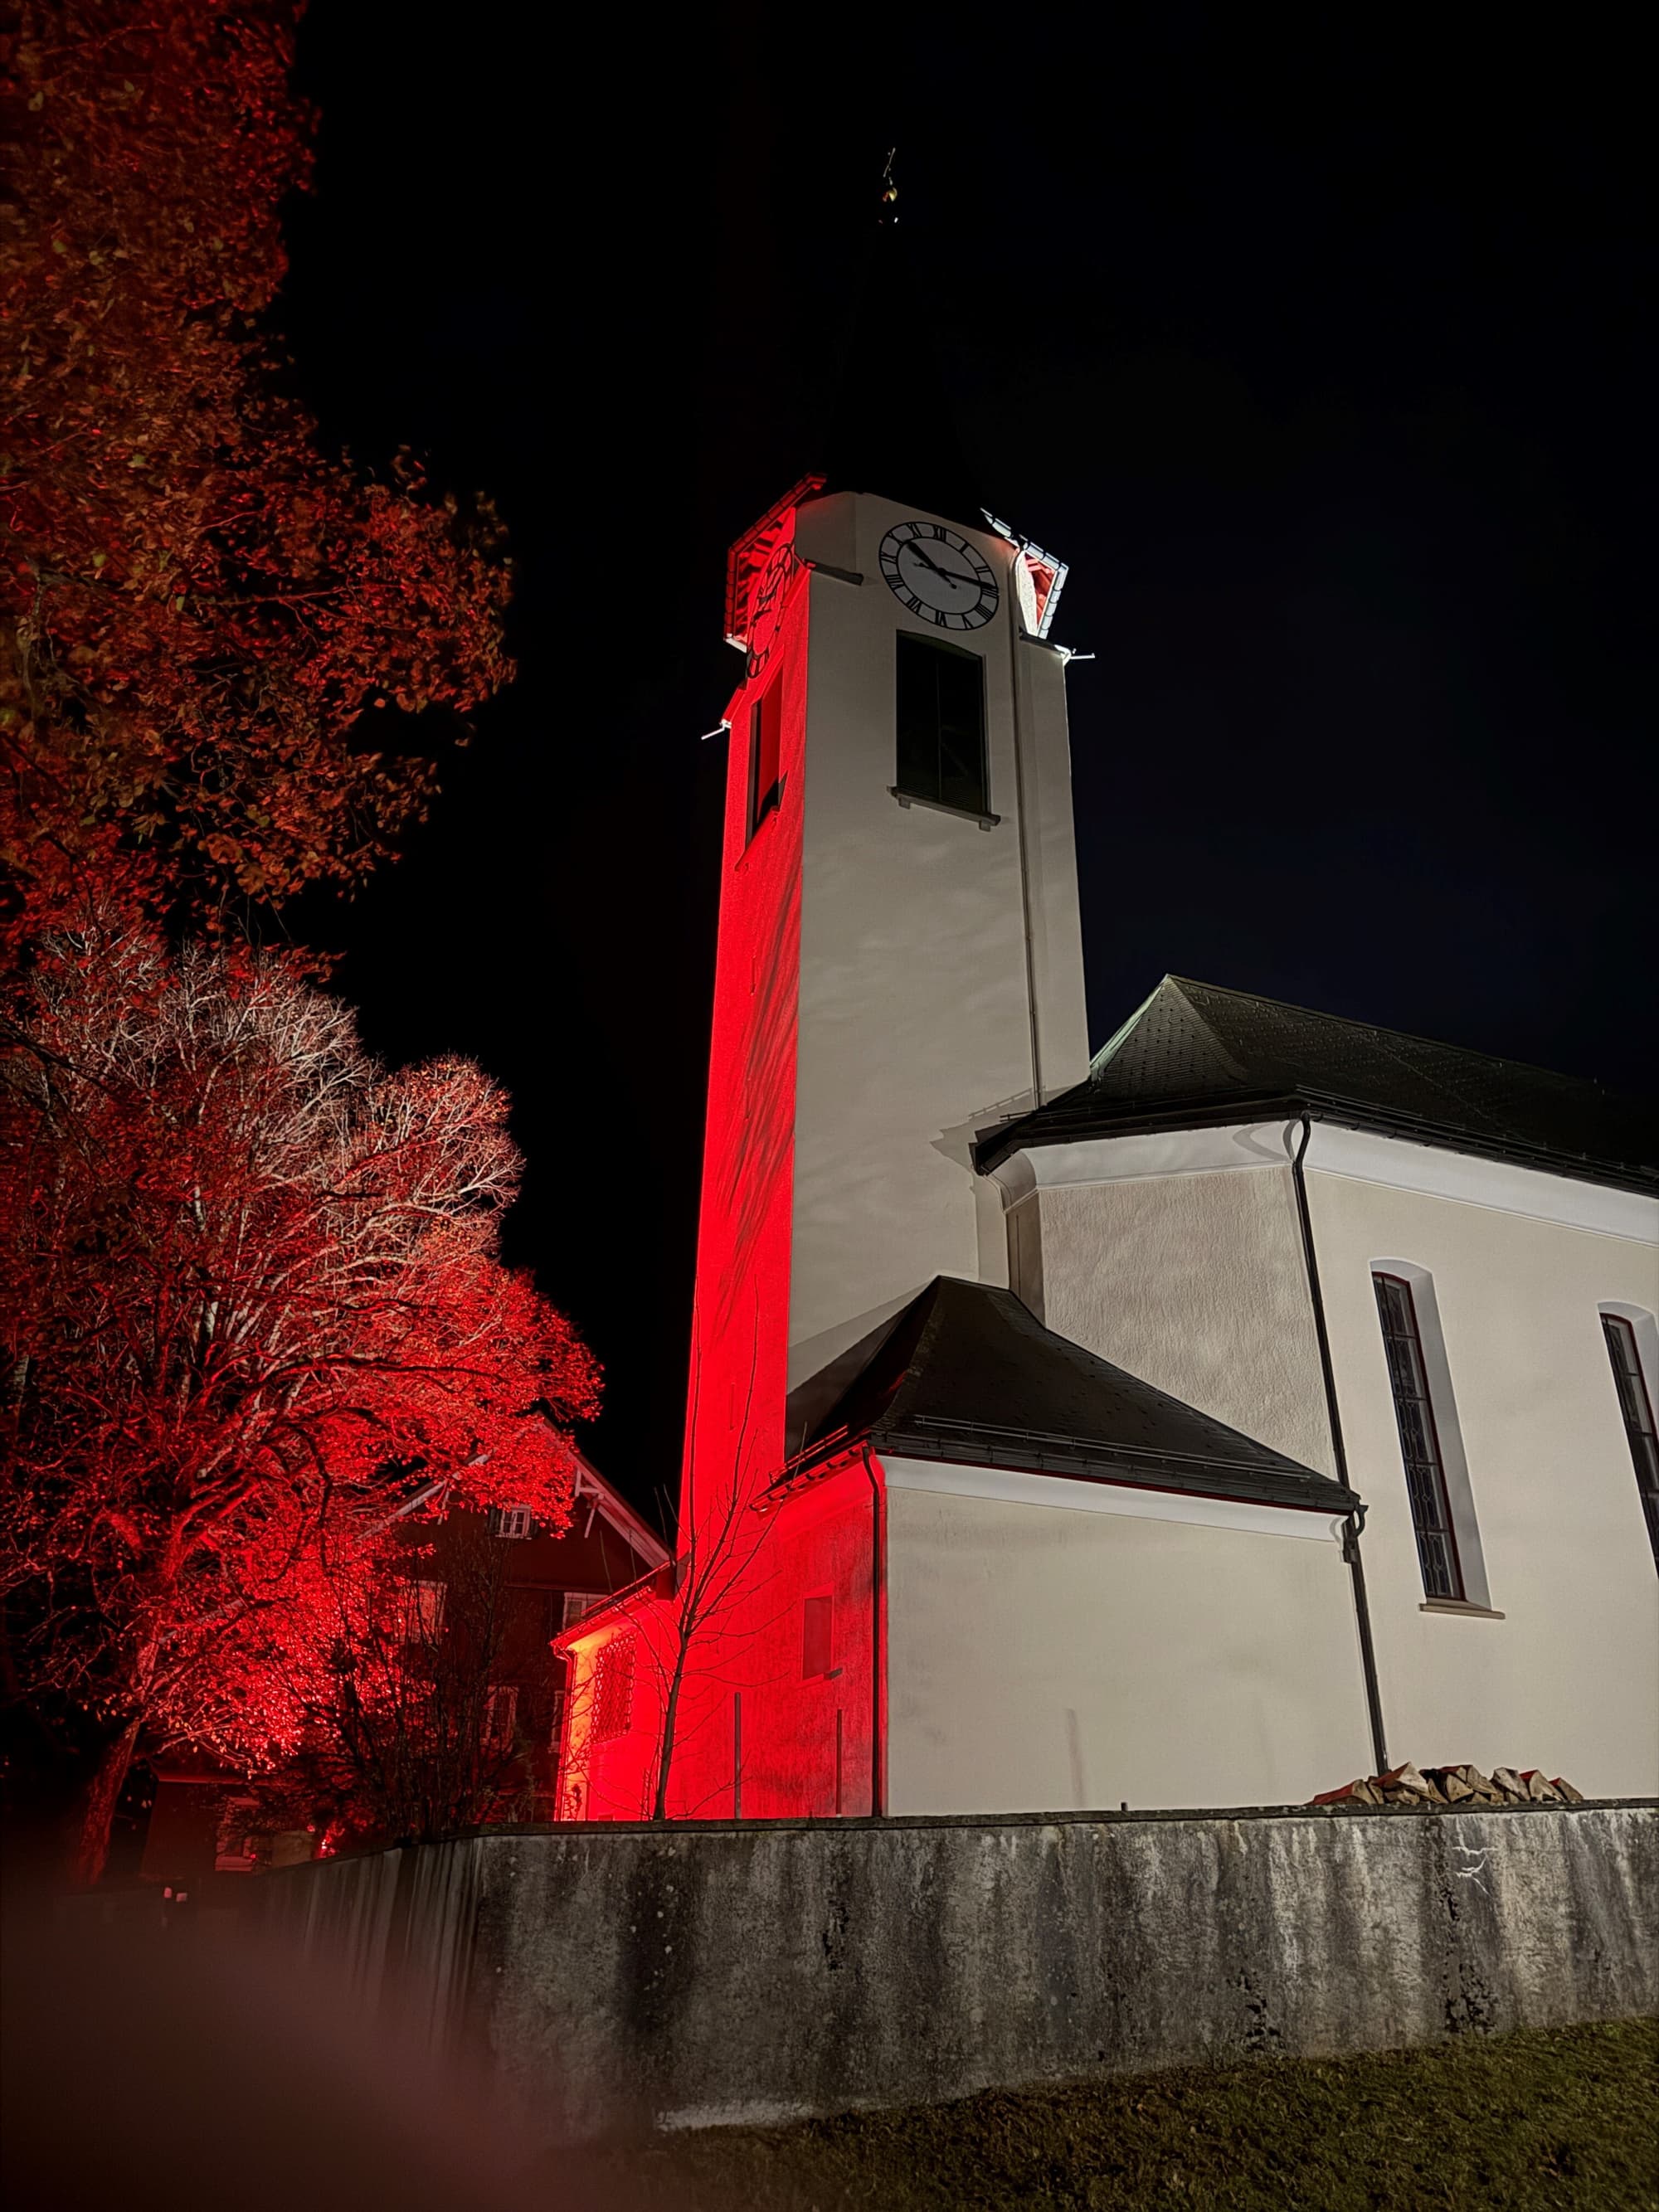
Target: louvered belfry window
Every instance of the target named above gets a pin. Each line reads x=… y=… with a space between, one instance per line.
x=1419 y=1442
x=1637 y=1408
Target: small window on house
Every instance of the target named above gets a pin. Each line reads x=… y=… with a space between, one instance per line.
x=765 y=754
x=237 y=1845
x=1636 y=1407
x=423 y=1611
x=941 y=726
x=1420 y=1442
x=817 y=1636
x=613 y=1688
x=513 y=1523
x=501 y=1714
x=573 y=1604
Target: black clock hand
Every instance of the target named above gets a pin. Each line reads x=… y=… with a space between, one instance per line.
x=951 y=575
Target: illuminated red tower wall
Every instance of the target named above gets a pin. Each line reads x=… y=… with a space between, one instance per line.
x=782 y=1681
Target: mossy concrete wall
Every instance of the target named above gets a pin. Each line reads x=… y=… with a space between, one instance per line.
x=678 y=1976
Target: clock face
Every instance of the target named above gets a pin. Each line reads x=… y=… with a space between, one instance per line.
x=938 y=575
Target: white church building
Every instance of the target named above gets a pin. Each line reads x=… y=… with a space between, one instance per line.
x=1267 y=1400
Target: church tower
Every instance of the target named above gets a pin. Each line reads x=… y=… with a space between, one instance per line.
x=899 y=961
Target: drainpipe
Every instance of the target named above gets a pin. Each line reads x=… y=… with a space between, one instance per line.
x=877 y=1591
x=1356 y=1519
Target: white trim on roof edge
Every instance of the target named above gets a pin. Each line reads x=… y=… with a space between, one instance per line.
x=1435 y=1171
x=638 y=1534
x=1164 y=1151
x=1012 y=1487
x=1364 y=1155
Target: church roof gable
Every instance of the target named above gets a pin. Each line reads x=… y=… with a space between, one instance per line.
x=1196 y=1053
x=967 y=1373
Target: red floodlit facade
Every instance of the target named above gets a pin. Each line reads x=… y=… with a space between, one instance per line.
x=764 y=1640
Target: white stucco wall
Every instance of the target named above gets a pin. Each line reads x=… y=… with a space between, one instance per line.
x=1568 y=1679
x=1045 y=1658
x=915 y=1012
x=1195 y=1282
x=1178 y=1256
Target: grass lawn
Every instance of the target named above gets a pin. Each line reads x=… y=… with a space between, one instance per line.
x=1542 y=2117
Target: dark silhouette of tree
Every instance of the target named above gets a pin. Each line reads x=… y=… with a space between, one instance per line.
x=691 y=1624
x=704 y=1626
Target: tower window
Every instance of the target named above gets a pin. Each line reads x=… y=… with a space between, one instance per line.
x=1637 y=1408
x=817 y=1636
x=941 y=726
x=765 y=754
x=1419 y=1441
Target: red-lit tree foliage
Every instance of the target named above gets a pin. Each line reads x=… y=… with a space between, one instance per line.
x=201 y=604
x=391 y=1668
x=252 y=1296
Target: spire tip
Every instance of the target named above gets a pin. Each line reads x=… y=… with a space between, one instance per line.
x=889 y=190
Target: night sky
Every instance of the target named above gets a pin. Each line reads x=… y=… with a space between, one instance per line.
x=1318 y=345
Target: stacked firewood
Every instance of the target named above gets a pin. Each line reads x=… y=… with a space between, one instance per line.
x=1455 y=1785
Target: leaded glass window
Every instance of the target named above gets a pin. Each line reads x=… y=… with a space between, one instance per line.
x=1420 y=1442
x=1637 y=1408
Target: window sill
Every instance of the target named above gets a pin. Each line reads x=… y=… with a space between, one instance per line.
x=943 y=807
x=1461 y=1605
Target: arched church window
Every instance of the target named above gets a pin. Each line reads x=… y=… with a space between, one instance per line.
x=1636 y=1406
x=1419 y=1438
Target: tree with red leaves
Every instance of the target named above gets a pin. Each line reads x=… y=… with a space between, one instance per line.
x=201 y=606
x=406 y=1729
x=251 y=1300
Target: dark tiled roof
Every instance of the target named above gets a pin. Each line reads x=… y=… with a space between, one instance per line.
x=966 y=1373
x=1194 y=1054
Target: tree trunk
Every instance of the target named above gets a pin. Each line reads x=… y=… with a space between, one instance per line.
x=92 y=1852
x=670 y=1719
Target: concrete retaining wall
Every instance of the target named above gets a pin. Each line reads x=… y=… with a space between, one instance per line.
x=612 y=1976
